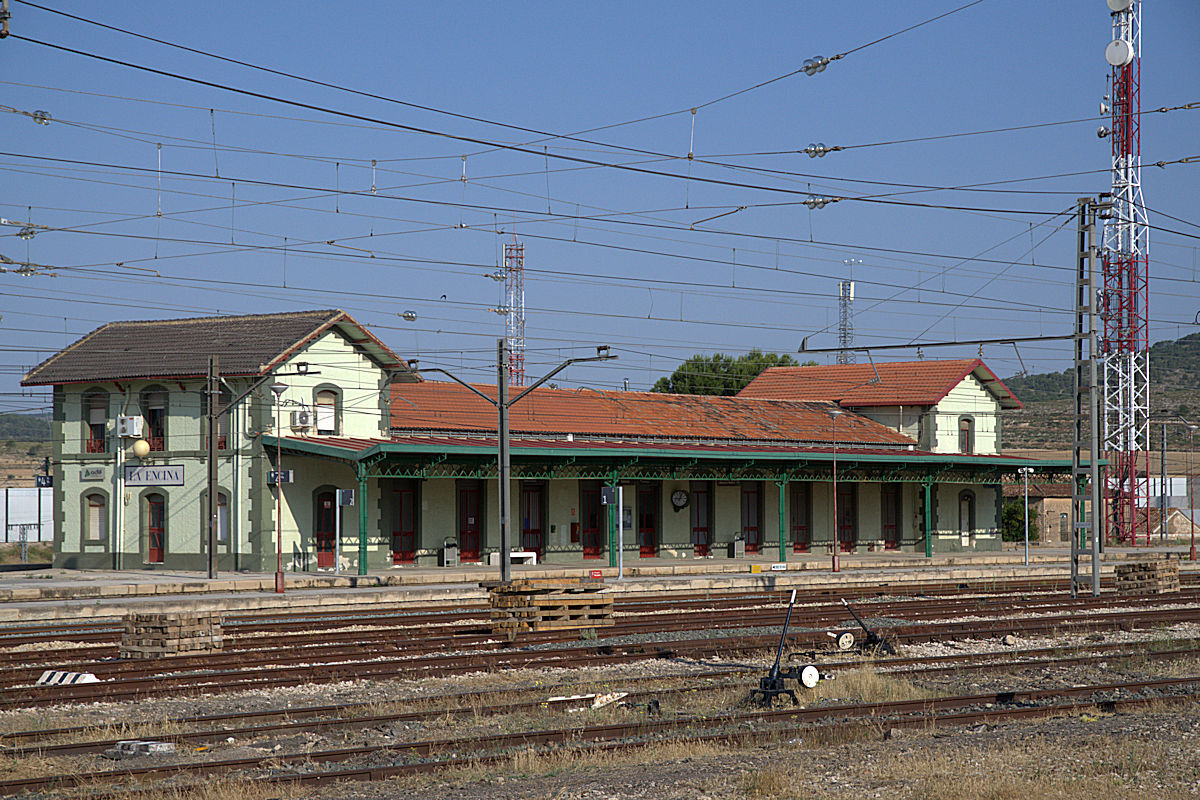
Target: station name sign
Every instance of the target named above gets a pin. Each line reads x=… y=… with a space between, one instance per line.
x=157 y=475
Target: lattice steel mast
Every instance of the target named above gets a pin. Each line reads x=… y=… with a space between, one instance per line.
x=1125 y=301
x=514 y=305
x=845 y=322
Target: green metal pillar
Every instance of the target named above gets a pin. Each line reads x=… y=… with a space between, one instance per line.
x=612 y=523
x=361 y=501
x=782 y=518
x=928 y=486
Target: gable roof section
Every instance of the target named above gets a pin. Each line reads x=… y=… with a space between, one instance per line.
x=253 y=344
x=448 y=407
x=908 y=383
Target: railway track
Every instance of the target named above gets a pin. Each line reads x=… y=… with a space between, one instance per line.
x=316 y=620
x=350 y=716
x=408 y=757
x=154 y=680
x=420 y=635
x=267 y=661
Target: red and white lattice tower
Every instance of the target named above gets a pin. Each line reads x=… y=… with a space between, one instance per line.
x=1125 y=348
x=514 y=305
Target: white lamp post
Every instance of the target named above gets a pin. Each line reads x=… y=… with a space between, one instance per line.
x=1190 y=481
x=1026 y=472
x=278 y=389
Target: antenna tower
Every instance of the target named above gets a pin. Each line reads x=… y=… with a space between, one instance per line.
x=514 y=328
x=845 y=322
x=1125 y=348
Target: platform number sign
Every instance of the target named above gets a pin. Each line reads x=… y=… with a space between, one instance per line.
x=608 y=495
x=43 y=481
x=345 y=497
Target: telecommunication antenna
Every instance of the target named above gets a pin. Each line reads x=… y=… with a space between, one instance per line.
x=1125 y=347
x=846 y=314
x=514 y=328
x=845 y=322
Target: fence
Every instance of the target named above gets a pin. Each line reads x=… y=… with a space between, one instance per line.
x=28 y=512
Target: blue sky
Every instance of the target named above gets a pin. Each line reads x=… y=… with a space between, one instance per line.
x=622 y=257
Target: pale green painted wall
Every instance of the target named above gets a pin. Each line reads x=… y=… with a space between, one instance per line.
x=968 y=399
x=676 y=525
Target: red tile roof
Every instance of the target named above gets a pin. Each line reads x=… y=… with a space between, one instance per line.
x=448 y=407
x=909 y=383
x=694 y=448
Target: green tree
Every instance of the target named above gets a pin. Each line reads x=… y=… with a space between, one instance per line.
x=720 y=374
x=1012 y=522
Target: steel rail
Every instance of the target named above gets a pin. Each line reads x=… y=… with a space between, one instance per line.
x=929 y=711
x=242 y=733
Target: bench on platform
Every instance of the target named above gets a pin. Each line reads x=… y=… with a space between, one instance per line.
x=514 y=557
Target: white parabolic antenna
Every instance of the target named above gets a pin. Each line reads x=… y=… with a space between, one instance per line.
x=1119 y=5
x=1118 y=53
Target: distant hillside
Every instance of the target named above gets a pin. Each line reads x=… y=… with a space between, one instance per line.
x=24 y=427
x=1046 y=422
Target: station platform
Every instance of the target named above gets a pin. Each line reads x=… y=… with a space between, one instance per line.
x=57 y=594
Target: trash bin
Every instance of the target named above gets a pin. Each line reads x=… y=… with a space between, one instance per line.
x=737 y=548
x=449 y=554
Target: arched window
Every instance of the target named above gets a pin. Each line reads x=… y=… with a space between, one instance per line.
x=95 y=419
x=328 y=405
x=96 y=524
x=966 y=435
x=154 y=410
x=966 y=512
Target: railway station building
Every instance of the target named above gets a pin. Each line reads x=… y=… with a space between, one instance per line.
x=908 y=452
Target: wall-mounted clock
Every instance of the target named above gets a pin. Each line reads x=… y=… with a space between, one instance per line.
x=679 y=499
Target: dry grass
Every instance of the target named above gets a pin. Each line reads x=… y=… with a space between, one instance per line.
x=37 y=552
x=1100 y=768
x=865 y=685
x=16 y=768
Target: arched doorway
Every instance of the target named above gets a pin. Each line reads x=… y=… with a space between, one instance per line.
x=325 y=528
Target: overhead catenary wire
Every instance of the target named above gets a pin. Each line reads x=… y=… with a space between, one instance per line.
x=545 y=134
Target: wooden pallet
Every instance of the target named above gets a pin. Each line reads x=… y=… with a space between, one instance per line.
x=539 y=604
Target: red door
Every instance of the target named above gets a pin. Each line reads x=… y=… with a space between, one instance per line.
x=592 y=519
x=324 y=530
x=891 y=515
x=847 y=522
x=531 y=518
x=701 y=518
x=404 y=522
x=751 y=516
x=469 y=522
x=647 y=505
x=801 y=517
x=156 y=506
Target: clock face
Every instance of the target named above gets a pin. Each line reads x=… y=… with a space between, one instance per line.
x=679 y=498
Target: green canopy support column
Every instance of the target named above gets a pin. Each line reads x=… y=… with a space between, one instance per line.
x=928 y=487
x=613 y=480
x=361 y=500
x=782 y=518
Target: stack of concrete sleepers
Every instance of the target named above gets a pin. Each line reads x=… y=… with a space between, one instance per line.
x=542 y=604
x=155 y=635
x=1148 y=577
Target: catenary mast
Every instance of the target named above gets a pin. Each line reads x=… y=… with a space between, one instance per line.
x=1125 y=346
x=514 y=328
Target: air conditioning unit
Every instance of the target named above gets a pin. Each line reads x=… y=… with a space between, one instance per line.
x=302 y=418
x=130 y=427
